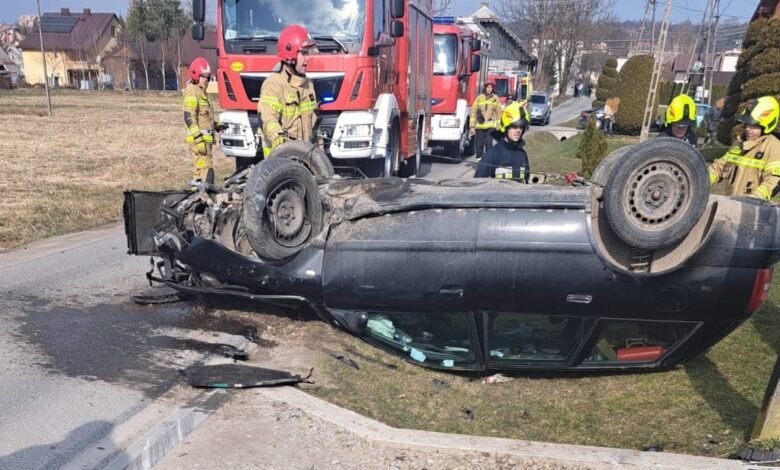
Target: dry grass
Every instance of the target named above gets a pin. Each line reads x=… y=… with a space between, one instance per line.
x=67 y=173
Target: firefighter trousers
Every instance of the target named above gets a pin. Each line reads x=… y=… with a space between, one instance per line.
x=201 y=161
x=483 y=141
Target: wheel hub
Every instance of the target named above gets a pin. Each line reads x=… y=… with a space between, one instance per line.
x=286 y=209
x=657 y=193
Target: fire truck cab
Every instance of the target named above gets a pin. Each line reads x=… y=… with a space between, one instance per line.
x=456 y=65
x=524 y=88
x=505 y=85
x=371 y=74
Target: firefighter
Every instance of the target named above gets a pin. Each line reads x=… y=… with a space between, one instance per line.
x=485 y=112
x=287 y=103
x=680 y=120
x=199 y=120
x=508 y=159
x=752 y=164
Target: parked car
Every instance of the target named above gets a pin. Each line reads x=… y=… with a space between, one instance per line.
x=597 y=112
x=540 y=108
x=641 y=269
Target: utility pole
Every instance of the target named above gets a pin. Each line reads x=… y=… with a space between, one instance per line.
x=635 y=50
x=652 y=92
x=709 y=58
x=696 y=52
x=652 y=31
x=43 y=58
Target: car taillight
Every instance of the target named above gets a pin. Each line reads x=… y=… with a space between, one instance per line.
x=761 y=285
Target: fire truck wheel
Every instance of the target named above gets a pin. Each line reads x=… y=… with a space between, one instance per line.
x=656 y=193
x=282 y=208
x=311 y=156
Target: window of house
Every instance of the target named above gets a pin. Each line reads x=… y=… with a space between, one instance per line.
x=113 y=31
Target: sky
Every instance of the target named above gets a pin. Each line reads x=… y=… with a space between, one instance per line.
x=625 y=9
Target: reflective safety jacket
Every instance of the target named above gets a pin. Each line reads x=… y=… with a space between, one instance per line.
x=485 y=112
x=752 y=168
x=198 y=115
x=287 y=107
x=505 y=160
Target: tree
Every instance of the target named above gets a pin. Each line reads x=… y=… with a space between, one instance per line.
x=592 y=148
x=440 y=7
x=553 y=29
x=139 y=27
x=631 y=86
x=758 y=74
x=606 y=82
x=167 y=26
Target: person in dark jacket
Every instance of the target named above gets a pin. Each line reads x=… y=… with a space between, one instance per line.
x=712 y=119
x=680 y=121
x=507 y=159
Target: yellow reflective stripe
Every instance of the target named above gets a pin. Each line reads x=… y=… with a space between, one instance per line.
x=308 y=106
x=739 y=160
x=274 y=126
x=774 y=167
x=190 y=102
x=713 y=178
x=194 y=129
x=487 y=125
x=204 y=103
x=271 y=101
x=266 y=152
x=763 y=192
x=277 y=142
x=208 y=138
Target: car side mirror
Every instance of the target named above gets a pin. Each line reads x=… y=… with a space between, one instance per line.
x=476 y=63
x=198 y=32
x=199 y=11
x=397 y=8
x=396 y=29
x=476 y=44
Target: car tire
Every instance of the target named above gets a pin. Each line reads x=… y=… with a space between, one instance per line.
x=311 y=156
x=282 y=208
x=657 y=194
x=604 y=169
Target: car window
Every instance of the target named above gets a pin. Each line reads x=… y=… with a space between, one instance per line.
x=438 y=340
x=522 y=338
x=636 y=341
x=538 y=99
x=701 y=110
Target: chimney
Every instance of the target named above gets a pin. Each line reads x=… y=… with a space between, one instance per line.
x=87 y=12
x=485 y=4
x=64 y=12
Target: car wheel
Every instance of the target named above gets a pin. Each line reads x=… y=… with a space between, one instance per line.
x=658 y=193
x=282 y=208
x=311 y=156
x=604 y=169
x=393 y=152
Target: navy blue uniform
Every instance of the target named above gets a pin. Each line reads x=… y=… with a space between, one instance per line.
x=690 y=136
x=503 y=157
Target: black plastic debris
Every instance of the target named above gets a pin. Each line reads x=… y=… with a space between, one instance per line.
x=249 y=332
x=345 y=360
x=440 y=383
x=157 y=299
x=468 y=414
x=230 y=351
x=371 y=359
x=239 y=376
x=654 y=448
x=758 y=455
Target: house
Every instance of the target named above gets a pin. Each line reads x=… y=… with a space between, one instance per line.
x=766 y=9
x=190 y=49
x=725 y=67
x=506 y=49
x=74 y=45
x=9 y=70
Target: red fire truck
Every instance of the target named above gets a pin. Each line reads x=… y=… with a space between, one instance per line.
x=456 y=77
x=372 y=75
x=506 y=85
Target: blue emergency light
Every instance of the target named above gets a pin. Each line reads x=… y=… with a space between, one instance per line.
x=444 y=20
x=328 y=99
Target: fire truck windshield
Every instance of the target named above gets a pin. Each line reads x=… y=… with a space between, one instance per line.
x=502 y=87
x=263 y=20
x=444 y=54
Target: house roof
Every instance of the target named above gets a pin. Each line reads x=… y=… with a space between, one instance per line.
x=6 y=62
x=68 y=31
x=485 y=15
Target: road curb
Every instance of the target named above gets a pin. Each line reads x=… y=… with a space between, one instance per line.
x=150 y=448
x=564 y=454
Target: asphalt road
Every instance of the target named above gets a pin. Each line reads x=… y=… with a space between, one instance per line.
x=440 y=168
x=79 y=358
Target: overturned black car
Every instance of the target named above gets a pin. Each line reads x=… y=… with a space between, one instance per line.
x=639 y=270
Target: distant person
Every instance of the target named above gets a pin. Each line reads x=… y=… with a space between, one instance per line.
x=712 y=119
x=610 y=109
x=576 y=90
x=508 y=159
x=485 y=112
x=680 y=120
x=199 y=120
x=752 y=164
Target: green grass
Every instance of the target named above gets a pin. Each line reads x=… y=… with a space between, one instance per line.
x=705 y=407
